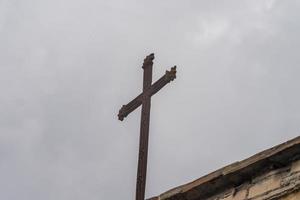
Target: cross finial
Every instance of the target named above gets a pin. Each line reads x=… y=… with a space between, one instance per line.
x=171 y=75
x=148 y=61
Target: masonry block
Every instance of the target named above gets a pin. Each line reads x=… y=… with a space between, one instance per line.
x=296 y=166
x=264 y=186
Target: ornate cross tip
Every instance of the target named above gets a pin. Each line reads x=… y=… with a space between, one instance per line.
x=121 y=114
x=171 y=75
x=148 y=60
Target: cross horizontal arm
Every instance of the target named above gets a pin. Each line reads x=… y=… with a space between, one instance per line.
x=131 y=106
x=164 y=80
x=135 y=103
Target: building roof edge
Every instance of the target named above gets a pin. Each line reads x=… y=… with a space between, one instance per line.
x=236 y=173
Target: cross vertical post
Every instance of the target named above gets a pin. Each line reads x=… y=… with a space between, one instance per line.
x=144 y=99
x=144 y=129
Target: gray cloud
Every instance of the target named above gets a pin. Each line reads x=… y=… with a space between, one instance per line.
x=66 y=67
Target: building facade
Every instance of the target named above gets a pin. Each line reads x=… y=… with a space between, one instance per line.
x=273 y=174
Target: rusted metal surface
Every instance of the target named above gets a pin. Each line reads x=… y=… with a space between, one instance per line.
x=154 y=88
x=144 y=99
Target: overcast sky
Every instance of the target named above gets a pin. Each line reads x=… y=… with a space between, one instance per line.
x=67 y=66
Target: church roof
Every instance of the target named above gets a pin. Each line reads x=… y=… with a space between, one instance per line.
x=237 y=173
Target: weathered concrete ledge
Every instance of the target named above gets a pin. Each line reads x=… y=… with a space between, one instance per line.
x=276 y=161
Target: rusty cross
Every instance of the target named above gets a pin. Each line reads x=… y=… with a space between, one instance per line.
x=144 y=99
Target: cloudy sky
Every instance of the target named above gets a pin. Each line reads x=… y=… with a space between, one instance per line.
x=67 y=66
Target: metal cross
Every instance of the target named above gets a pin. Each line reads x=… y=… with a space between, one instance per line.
x=144 y=99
